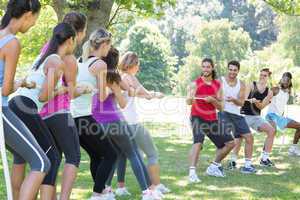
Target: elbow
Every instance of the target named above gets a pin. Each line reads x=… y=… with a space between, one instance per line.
x=42 y=99
x=123 y=105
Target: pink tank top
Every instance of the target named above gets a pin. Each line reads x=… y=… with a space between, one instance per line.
x=60 y=103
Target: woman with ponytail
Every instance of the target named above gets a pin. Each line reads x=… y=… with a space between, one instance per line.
x=27 y=103
x=20 y=16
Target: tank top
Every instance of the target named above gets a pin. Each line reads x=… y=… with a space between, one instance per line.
x=201 y=108
x=3 y=41
x=38 y=76
x=251 y=108
x=129 y=112
x=231 y=91
x=82 y=105
x=60 y=103
x=106 y=111
x=278 y=103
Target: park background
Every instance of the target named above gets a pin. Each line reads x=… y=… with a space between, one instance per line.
x=171 y=38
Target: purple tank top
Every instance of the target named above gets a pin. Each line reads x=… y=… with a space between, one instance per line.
x=107 y=111
x=59 y=103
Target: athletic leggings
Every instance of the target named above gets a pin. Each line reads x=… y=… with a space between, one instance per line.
x=26 y=110
x=121 y=136
x=145 y=143
x=64 y=131
x=20 y=141
x=99 y=148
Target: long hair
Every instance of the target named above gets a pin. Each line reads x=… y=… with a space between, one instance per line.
x=61 y=33
x=112 y=60
x=94 y=42
x=17 y=8
x=209 y=60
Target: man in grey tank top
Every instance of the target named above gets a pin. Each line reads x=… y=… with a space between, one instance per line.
x=234 y=98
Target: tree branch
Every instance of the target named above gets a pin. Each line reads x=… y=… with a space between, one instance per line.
x=116 y=13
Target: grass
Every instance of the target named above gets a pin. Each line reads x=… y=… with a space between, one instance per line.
x=281 y=182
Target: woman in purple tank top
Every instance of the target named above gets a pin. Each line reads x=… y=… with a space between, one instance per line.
x=106 y=112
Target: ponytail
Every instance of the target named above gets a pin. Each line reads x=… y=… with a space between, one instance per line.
x=86 y=50
x=61 y=33
x=17 y=8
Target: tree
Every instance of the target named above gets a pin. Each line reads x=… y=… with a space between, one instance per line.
x=289 y=7
x=289 y=37
x=154 y=51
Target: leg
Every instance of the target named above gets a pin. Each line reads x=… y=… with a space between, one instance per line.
x=122 y=162
x=295 y=125
x=19 y=138
x=224 y=151
x=270 y=131
x=70 y=147
x=248 y=145
x=17 y=178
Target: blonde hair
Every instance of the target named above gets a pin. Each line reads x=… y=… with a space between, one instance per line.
x=95 y=40
x=128 y=60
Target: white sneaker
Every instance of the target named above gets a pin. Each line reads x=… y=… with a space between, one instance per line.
x=163 y=189
x=122 y=192
x=150 y=195
x=194 y=179
x=294 y=151
x=109 y=191
x=158 y=193
x=102 y=197
x=215 y=171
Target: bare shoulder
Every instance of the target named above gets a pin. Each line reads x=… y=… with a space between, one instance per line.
x=99 y=65
x=70 y=61
x=54 y=62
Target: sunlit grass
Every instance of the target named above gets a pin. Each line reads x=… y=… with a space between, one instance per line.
x=281 y=182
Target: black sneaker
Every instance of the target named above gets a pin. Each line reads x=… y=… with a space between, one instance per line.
x=248 y=170
x=266 y=163
x=232 y=165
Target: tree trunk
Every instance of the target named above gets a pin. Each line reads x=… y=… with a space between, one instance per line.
x=59 y=7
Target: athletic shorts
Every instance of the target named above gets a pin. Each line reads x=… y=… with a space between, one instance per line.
x=236 y=124
x=214 y=130
x=280 y=121
x=255 y=121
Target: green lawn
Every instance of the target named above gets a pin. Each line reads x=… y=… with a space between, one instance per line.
x=282 y=182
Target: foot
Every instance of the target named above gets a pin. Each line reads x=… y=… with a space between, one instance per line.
x=102 y=197
x=213 y=170
x=122 y=192
x=248 y=170
x=232 y=165
x=294 y=151
x=194 y=179
x=163 y=189
x=266 y=163
x=109 y=191
x=150 y=195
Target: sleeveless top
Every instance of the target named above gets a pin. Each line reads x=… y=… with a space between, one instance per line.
x=82 y=105
x=38 y=76
x=278 y=103
x=3 y=41
x=231 y=91
x=106 y=111
x=251 y=108
x=60 y=103
x=201 y=108
x=129 y=112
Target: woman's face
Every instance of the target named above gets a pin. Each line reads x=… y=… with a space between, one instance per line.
x=71 y=45
x=105 y=48
x=29 y=20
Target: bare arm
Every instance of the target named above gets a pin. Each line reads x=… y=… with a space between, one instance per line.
x=241 y=100
x=99 y=69
x=54 y=69
x=266 y=101
x=70 y=74
x=190 y=93
x=219 y=102
x=116 y=89
x=11 y=56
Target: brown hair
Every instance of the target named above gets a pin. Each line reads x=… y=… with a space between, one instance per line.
x=266 y=70
x=128 y=60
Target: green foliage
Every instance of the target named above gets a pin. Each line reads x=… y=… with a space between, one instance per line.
x=289 y=37
x=290 y=7
x=157 y=64
x=217 y=40
x=35 y=38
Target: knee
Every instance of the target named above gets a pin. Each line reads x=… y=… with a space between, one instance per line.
x=249 y=138
x=47 y=165
x=73 y=159
x=230 y=145
x=271 y=132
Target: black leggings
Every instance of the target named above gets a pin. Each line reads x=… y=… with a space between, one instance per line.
x=26 y=110
x=99 y=149
x=64 y=132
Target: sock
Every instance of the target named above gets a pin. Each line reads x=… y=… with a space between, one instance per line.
x=234 y=157
x=192 y=171
x=248 y=163
x=265 y=156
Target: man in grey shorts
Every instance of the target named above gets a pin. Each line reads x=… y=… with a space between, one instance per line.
x=259 y=96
